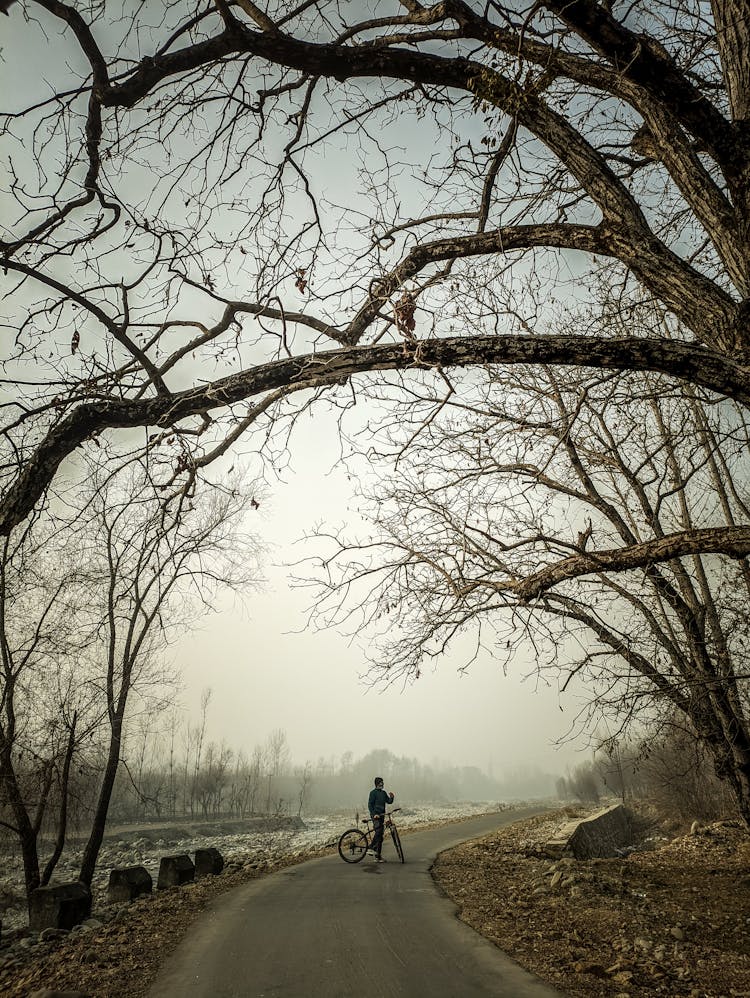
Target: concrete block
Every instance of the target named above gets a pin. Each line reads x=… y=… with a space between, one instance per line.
x=60 y=906
x=174 y=871
x=208 y=862
x=129 y=883
x=597 y=837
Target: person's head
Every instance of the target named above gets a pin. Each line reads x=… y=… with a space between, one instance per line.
x=379 y=782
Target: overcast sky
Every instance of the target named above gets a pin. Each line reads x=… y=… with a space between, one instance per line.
x=267 y=671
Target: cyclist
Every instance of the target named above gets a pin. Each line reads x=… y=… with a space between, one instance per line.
x=376 y=805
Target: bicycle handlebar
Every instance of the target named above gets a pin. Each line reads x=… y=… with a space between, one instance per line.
x=386 y=815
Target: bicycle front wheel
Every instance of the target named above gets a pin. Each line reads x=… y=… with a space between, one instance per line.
x=353 y=845
x=397 y=842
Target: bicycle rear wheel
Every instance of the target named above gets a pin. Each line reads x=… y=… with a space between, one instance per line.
x=353 y=845
x=397 y=842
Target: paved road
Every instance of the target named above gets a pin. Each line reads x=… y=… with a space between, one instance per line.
x=325 y=929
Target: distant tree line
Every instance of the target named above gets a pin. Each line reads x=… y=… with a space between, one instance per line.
x=181 y=774
x=670 y=771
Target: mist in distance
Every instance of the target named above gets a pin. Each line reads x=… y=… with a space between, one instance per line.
x=268 y=669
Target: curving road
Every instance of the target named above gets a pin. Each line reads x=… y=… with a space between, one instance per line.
x=325 y=929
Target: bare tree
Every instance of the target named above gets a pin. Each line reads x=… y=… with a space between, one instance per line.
x=511 y=509
x=211 y=780
x=304 y=776
x=199 y=737
x=163 y=563
x=277 y=749
x=276 y=759
x=49 y=709
x=170 y=252
x=86 y=610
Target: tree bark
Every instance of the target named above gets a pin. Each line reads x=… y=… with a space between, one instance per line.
x=27 y=836
x=99 y=820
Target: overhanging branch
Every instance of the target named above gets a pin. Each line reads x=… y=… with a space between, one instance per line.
x=731 y=541
x=678 y=360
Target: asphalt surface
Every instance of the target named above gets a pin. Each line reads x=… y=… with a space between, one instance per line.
x=327 y=929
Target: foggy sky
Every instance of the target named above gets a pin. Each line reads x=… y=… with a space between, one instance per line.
x=266 y=671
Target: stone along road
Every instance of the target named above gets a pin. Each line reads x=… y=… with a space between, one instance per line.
x=325 y=929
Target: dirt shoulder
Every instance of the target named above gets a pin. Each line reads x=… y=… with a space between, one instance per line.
x=673 y=919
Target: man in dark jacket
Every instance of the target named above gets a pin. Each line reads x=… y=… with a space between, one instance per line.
x=376 y=805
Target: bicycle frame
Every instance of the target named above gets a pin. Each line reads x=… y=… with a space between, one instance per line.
x=355 y=842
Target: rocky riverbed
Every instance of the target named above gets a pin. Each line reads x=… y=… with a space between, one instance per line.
x=252 y=844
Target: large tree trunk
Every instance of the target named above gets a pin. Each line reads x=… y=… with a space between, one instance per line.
x=727 y=738
x=99 y=821
x=732 y=18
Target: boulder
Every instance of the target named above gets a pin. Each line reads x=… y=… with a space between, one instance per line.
x=60 y=906
x=175 y=871
x=50 y=935
x=129 y=883
x=208 y=862
x=602 y=834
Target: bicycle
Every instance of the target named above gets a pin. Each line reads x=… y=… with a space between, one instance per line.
x=355 y=842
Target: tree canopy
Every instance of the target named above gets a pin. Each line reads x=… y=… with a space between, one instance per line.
x=503 y=532
x=217 y=213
